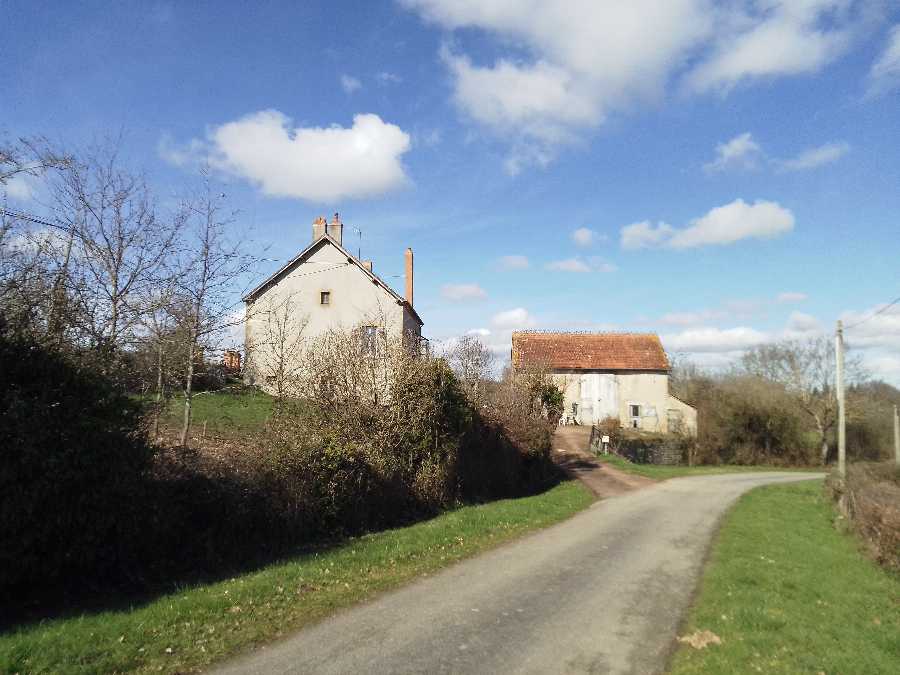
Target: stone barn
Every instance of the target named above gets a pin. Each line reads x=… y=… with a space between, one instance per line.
x=620 y=375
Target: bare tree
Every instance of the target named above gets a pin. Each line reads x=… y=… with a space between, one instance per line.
x=29 y=157
x=278 y=347
x=807 y=370
x=473 y=362
x=213 y=266
x=116 y=243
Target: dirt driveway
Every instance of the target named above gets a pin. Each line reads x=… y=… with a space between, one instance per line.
x=570 y=452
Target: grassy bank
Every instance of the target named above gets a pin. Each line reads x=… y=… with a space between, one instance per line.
x=787 y=593
x=227 y=410
x=198 y=625
x=660 y=472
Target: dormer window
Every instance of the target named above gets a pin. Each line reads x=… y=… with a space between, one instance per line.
x=325 y=297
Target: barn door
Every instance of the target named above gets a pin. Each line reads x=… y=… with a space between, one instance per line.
x=586 y=407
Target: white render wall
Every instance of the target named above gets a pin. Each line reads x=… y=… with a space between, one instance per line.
x=355 y=300
x=610 y=394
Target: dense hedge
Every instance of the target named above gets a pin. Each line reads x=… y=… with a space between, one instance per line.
x=870 y=498
x=86 y=503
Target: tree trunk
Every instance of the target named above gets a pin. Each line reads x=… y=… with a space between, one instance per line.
x=188 y=392
x=824 y=452
x=159 y=391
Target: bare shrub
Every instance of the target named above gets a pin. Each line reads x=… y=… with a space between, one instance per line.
x=871 y=499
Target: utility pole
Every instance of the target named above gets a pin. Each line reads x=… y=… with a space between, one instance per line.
x=896 y=436
x=839 y=391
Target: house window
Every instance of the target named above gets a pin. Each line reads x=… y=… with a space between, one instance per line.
x=325 y=298
x=634 y=412
x=369 y=340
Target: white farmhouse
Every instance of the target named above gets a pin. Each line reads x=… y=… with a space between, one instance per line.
x=324 y=287
x=619 y=375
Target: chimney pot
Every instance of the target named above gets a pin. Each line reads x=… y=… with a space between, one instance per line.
x=336 y=229
x=319 y=226
x=409 y=276
x=367 y=264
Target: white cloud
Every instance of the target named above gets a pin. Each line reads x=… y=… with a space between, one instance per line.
x=773 y=38
x=802 y=326
x=463 y=292
x=741 y=152
x=385 y=77
x=514 y=262
x=584 y=236
x=645 y=235
x=874 y=330
x=564 y=66
x=720 y=226
x=790 y=296
x=568 y=265
x=318 y=164
x=884 y=75
x=513 y=319
x=701 y=340
x=479 y=332
x=350 y=84
x=815 y=157
x=19 y=188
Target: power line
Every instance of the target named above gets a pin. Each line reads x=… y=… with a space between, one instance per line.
x=30 y=218
x=873 y=314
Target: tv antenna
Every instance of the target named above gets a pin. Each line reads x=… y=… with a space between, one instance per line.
x=359 y=248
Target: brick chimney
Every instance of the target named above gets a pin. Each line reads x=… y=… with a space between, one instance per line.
x=318 y=228
x=336 y=229
x=409 y=276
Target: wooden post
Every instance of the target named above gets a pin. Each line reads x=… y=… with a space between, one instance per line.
x=897 y=436
x=839 y=391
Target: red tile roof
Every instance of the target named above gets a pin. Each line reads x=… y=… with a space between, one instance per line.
x=589 y=351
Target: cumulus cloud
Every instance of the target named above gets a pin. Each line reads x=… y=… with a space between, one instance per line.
x=317 y=164
x=790 y=296
x=386 y=77
x=721 y=225
x=645 y=235
x=815 y=157
x=584 y=236
x=479 y=332
x=19 y=188
x=563 y=67
x=463 y=292
x=700 y=340
x=775 y=38
x=801 y=326
x=569 y=265
x=741 y=152
x=884 y=75
x=350 y=84
x=592 y=264
x=512 y=319
x=514 y=262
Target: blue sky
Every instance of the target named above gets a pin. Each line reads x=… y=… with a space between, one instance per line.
x=732 y=170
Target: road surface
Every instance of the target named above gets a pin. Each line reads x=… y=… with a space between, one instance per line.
x=602 y=592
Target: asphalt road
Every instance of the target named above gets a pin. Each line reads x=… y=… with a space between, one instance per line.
x=602 y=592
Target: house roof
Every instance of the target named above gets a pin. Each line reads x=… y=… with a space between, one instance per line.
x=589 y=351
x=292 y=264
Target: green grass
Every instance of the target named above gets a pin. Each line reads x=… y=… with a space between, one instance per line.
x=228 y=410
x=660 y=472
x=788 y=593
x=201 y=624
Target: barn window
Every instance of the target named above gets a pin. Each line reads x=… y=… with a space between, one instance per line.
x=325 y=298
x=635 y=413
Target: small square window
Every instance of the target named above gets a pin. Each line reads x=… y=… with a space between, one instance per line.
x=635 y=410
x=369 y=335
x=325 y=298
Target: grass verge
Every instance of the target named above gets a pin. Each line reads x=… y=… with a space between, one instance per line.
x=787 y=593
x=661 y=472
x=198 y=625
